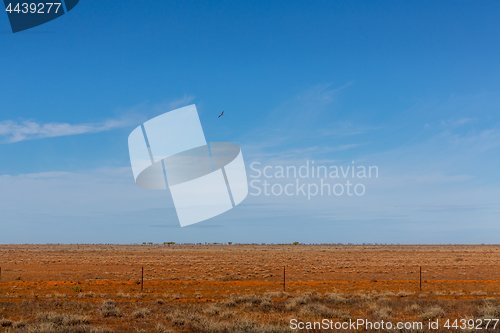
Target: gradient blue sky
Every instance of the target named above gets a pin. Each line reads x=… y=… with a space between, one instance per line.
x=412 y=87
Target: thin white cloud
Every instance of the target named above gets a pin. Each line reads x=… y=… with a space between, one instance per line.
x=457 y=122
x=322 y=93
x=306 y=109
x=185 y=100
x=13 y=131
x=346 y=128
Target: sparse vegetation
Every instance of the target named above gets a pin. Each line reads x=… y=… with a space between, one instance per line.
x=89 y=294
x=60 y=319
x=141 y=313
x=56 y=323
x=109 y=309
x=76 y=289
x=121 y=294
x=432 y=313
x=5 y=322
x=488 y=310
x=237 y=288
x=160 y=328
x=335 y=299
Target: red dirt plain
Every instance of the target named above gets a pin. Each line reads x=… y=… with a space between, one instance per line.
x=81 y=277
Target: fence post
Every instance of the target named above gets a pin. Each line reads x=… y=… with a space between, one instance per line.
x=284 y=278
x=420 y=278
x=142 y=279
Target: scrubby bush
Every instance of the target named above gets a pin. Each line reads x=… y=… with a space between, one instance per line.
x=60 y=319
x=319 y=311
x=489 y=311
x=432 y=313
x=212 y=311
x=335 y=299
x=77 y=289
x=141 y=313
x=109 y=309
x=5 y=322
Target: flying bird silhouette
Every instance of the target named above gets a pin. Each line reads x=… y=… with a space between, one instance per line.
x=221 y=114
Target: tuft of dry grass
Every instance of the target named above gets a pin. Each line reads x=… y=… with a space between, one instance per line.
x=227 y=315
x=19 y=324
x=60 y=319
x=414 y=308
x=109 y=309
x=5 y=323
x=488 y=311
x=266 y=305
x=380 y=312
x=141 y=313
x=432 y=313
x=275 y=294
x=318 y=311
x=212 y=311
x=294 y=303
x=403 y=293
x=89 y=294
x=121 y=294
x=335 y=299
x=53 y=322
x=205 y=325
x=160 y=328
x=383 y=300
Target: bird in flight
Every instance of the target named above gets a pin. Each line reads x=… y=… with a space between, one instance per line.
x=221 y=114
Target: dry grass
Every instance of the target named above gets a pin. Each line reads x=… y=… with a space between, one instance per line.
x=489 y=311
x=248 y=313
x=160 y=328
x=335 y=298
x=53 y=322
x=121 y=294
x=141 y=313
x=109 y=309
x=238 y=288
x=432 y=313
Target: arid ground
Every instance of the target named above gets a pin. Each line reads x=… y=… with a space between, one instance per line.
x=239 y=288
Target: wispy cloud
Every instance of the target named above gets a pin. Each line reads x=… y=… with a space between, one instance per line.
x=347 y=128
x=308 y=108
x=457 y=122
x=15 y=131
x=290 y=131
x=479 y=140
x=448 y=208
x=322 y=93
x=299 y=155
x=318 y=149
x=185 y=100
x=21 y=130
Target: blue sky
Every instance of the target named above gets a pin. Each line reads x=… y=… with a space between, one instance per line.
x=411 y=87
